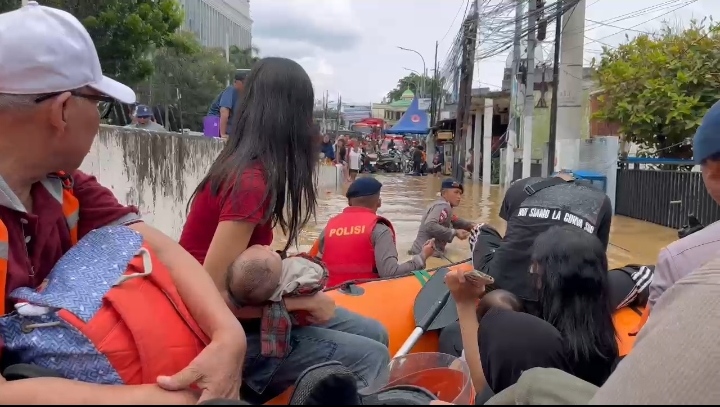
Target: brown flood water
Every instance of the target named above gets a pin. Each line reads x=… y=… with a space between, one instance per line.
x=405 y=198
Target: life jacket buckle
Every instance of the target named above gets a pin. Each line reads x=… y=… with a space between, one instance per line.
x=147 y=267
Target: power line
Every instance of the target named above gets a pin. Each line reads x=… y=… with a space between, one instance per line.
x=467 y=2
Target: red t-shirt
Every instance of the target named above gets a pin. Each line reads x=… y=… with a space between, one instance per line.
x=47 y=231
x=246 y=202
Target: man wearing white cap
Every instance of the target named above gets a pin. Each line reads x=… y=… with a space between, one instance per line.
x=52 y=96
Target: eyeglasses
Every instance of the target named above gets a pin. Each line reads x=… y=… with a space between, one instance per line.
x=104 y=103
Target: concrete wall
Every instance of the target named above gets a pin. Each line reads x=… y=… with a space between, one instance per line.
x=158 y=172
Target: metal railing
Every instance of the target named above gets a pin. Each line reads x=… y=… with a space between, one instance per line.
x=664 y=197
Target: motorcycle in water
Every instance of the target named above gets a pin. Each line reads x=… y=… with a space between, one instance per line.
x=390 y=162
x=368 y=163
x=693 y=225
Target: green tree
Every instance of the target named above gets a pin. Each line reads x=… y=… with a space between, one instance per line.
x=415 y=82
x=658 y=87
x=187 y=78
x=243 y=58
x=124 y=31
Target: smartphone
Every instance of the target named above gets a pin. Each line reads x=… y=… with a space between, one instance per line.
x=479 y=278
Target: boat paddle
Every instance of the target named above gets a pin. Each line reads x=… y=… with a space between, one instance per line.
x=434 y=309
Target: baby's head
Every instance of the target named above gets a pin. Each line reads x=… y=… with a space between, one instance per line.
x=254 y=276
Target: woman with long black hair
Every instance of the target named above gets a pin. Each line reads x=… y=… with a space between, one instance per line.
x=263 y=178
x=570 y=269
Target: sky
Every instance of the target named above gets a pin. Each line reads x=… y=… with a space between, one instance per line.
x=350 y=47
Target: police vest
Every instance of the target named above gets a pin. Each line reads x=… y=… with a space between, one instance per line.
x=348 y=251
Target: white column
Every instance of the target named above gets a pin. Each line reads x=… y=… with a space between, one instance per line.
x=477 y=141
x=487 y=141
x=468 y=133
x=570 y=89
x=510 y=155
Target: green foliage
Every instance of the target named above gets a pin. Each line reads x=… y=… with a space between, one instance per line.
x=658 y=87
x=243 y=58
x=187 y=78
x=414 y=82
x=124 y=31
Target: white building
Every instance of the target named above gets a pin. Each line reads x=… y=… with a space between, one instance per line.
x=219 y=23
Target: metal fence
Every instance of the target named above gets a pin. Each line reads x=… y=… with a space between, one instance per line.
x=664 y=197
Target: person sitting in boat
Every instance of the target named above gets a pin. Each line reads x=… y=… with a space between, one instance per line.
x=48 y=123
x=530 y=207
x=683 y=334
x=683 y=256
x=569 y=270
x=265 y=177
x=259 y=277
x=358 y=244
x=439 y=223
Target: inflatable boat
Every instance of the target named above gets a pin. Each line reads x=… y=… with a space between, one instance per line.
x=391 y=302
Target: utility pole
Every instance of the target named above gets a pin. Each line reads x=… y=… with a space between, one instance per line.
x=529 y=108
x=433 y=89
x=325 y=112
x=339 y=113
x=467 y=66
x=514 y=125
x=555 y=82
x=570 y=113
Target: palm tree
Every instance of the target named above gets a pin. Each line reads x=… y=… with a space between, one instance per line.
x=243 y=58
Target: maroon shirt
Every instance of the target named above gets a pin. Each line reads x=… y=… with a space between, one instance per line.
x=246 y=203
x=47 y=230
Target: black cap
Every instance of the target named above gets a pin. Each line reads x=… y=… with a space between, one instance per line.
x=449 y=183
x=241 y=74
x=364 y=186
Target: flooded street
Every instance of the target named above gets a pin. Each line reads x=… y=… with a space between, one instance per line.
x=405 y=198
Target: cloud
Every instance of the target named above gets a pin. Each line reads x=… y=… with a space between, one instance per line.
x=326 y=24
x=322 y=74
x=272 y=47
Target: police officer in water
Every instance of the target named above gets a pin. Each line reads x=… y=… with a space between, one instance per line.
x=359 y=244
x=439 y=223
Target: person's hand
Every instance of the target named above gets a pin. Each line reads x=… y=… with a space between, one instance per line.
x=216 y=371
x=462 y=234
x=462 y=290
x=320 y=306
x=428 y=248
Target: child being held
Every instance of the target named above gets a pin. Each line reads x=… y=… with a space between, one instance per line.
x=260 y=277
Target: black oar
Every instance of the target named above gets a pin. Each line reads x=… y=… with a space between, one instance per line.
x=434 y=309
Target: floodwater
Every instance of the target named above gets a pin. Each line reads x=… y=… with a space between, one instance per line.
x=405 y=199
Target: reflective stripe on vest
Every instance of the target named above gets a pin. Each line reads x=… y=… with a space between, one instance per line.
x=62 y=192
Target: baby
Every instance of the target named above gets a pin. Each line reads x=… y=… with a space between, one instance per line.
x=260 y=277
x=254 y=277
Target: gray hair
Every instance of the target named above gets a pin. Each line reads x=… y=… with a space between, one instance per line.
x=11 y=102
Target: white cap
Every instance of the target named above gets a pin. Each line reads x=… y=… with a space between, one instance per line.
x=46 y=50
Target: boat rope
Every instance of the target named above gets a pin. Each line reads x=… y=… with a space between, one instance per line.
x=425 y=272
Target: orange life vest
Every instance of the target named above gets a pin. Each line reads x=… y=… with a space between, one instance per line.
x=121 y=343
x=60 y=187
x=348 y=251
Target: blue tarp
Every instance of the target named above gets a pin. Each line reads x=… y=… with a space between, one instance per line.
x=413 y=121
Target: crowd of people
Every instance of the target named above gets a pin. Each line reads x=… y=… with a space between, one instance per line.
x=550 y=307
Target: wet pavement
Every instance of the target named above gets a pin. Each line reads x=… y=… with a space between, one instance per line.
x=405 y=198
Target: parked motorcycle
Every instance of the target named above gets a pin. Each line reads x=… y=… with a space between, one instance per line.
x=390 y=162
x=693 y=225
